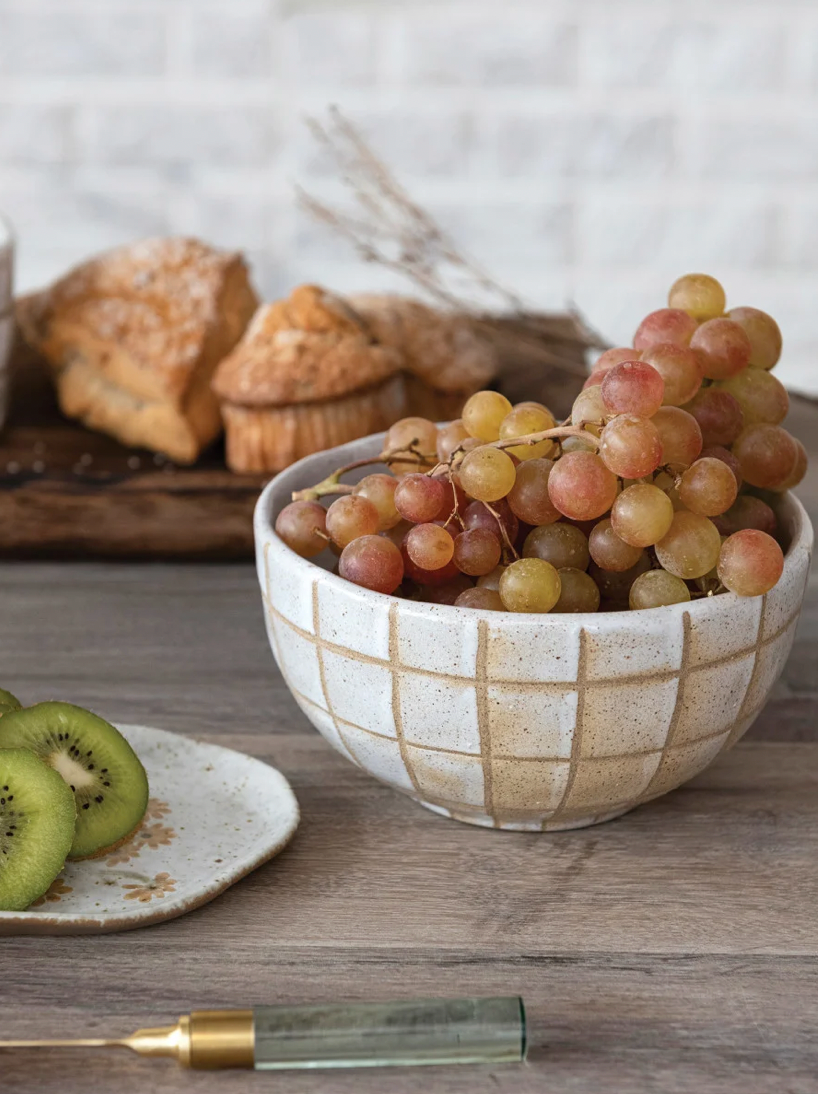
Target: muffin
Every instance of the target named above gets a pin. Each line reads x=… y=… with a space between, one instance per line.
x=133 y=337
x=306 y=376
x=445 y=359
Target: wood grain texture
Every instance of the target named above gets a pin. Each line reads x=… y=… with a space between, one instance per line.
x=674 y=950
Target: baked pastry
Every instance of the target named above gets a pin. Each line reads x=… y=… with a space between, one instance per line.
x=446 y=360
x=287 y=391
x=134 y=335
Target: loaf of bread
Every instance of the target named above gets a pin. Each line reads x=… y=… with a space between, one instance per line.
x=134 y=335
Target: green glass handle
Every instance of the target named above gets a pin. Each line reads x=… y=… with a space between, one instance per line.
x=397 y=1034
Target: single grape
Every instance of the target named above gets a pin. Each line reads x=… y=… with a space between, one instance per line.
x=642 y=515
x=476 y=515
x=530 y=585
x=560 y=544
x=767 y=454
x=492 y=580
x=303 y=527
x=429 y=546
x=419 y=498
x=418 y=433
x=610 y=552
x=487 y=474
x=750 y=562
x=722 y=347
x=680 y=370
x=589 y=410
x=761 y=396
x=351 y=516
x=581 y=486
x=449 y=437
x=477 y=551
x=665 y=325
x=447 y=592
x=719 y=415
x=578 y=592
x=708 y=487
x=523 y=419
x=614 y=356
x=488 y=600
x=427 y=577
x=680 y=436
x=380 y=490
x=716 y=452
x=373 y=562
x=747 y=511
x=691 y=546
x=483 y=413
x=578 y=444
x=764 y=335
x=699 y=295
x=528 y=497
x=798 y=471
x=630 y=447
x=633 y=387
x=657 y=588
x=614 y=586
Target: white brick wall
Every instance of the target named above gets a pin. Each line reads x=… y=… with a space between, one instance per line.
x=590 y=149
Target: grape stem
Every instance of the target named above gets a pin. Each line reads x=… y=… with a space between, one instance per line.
x=508 y=546
x=332 y=483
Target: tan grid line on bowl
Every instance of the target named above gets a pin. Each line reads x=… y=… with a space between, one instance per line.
x=678 y=706
x=558 y=685
x=484 y=732
x=576 y=742
x=394 y=647
x=322 y=672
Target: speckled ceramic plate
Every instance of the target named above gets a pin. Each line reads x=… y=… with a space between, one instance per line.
x=214 y=815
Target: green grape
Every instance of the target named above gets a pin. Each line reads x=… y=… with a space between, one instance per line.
x=642 y=514
x=578 y=592
x=351 y=516
x=750 y=563
x=656 y=589
x=380 y=490
x=764 y=335
x=529 y=498
x=691 y=546
x=759 y=394
x=530 y=585
x=630 y=447
x=488 y=600
x=561 y=544
x=523 y=419
x=303 y=526
x=487 y=474
x=449 y=437
x=589 y=410
x=699 y=295
x=373 y=562
x=429 y=546
x=610 y=552
x=483 y=414
x=708 y=487
x=578 y=444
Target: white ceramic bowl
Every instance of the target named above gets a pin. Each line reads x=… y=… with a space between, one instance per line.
x=526 y=722
x=6 y=312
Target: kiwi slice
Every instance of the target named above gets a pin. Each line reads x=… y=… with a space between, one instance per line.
x=37 y=817
x=8 y=702
x=109 y=783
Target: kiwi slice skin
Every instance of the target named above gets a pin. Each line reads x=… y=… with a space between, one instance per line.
x=37 y=818
x=9 y=702
x=109 y=783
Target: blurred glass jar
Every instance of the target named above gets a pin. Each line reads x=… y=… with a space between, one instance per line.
x=6 y=313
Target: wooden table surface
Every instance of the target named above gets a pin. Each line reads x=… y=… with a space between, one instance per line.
x=675 y=949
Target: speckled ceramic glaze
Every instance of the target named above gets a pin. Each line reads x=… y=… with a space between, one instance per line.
x=527 y=722
x=214 y=815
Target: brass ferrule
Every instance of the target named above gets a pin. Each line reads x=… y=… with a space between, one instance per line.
x=204 y=1040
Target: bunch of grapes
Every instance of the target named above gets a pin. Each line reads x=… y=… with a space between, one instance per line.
x=656 y=491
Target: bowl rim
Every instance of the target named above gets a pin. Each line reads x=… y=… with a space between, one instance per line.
x=264 y=532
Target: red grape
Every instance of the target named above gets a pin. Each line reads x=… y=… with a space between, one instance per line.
x=665 y=325
x=610 y=552
x=578 y=592
x=528 y=497
x=418 y=433
x=716 y=452
x=719 y=415
x=680 y=436
x=747 y=512
x=767 y=454
x=708 y=487
x=722 y=347
x=351 y=516
x=419 y=498
x=429 y=546
x=798 y=471
x=614 y=586
x=477 y=551
x=373 y=562
x=581 y=486
x=633 y=387
x=680 y=370
x=449 y=437
x=488 y=600
x=764 y=335
x=448 y=592
x=750 y=562
x=303 y=525
x=476 y=515
x=630 y=447
x=427 y=577
x=560 y=544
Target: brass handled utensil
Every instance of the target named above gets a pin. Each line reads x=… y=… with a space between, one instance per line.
x=402 y=1033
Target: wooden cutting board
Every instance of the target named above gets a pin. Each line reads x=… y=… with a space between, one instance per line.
x=66 y=492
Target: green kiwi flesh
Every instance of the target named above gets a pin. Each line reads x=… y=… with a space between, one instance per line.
x=37 y=818
x=109 y=783
x=9 y=702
